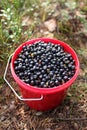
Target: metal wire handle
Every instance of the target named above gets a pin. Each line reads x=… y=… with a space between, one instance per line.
x=19 y=97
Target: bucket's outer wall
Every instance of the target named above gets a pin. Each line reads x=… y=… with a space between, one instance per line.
x=52 y=97
x=48 y=102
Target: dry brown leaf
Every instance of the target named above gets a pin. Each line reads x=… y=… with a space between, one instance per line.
x=50 y=25
x=26 y=21
x=79 y=14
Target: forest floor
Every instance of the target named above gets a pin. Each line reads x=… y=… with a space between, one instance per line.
x=71 y=114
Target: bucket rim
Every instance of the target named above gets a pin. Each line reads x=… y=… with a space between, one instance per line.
x=28 y=87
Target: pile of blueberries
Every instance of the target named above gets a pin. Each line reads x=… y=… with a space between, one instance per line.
x=44 y=65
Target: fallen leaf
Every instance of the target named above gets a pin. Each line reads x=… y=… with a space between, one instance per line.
x=51 y=25
x=80 y=15
x=26 y=21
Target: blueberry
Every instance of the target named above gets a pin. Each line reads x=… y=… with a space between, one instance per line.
x=42 y=71
x=25 y=73
x=15 y=62
x=61 y=70
x=66 y=61
x=40 y=76
x=54 y=50
x=38 y=73
x=46 y=61
x=43 y=79
x=68 y=55
x=51 y=73
x=30 y=65
x=69 y=73
x=61 y=63
x=28 y=73
x=73 y=67
x=45 y=86
x=34 y=67
x=44 y=67
x=37 y=68
x=26 y=60
x=70 y=65
x=21 y=74
x=16 y=68
x=51 y=83
x=64 y=73
x=24 y=47
x=56 y=72
x=65 y=78
x=32 y=82
x=20 y=67
x=31 y=62
x=26 y=53
x=43 y=62
x=17 y=71
x=38 y=52
x=27 y=81
x=22 y=56
x=59 y=79
x=42 y=84
x=56 y=83
x=58 y=48
x=37 y=82
x=58 y=54
x=71 y=58
x=23 y=67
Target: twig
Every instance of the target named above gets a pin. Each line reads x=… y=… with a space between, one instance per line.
x=31 y=125
x=15 y=124
x=6 y=110
x=72 y=119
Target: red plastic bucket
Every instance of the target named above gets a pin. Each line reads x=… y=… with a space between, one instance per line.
x=52 y=97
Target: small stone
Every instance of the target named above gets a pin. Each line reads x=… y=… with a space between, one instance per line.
x=3 y=118
x=5 y=107
x=38 y=113
x=12 y=106
x=76 y=127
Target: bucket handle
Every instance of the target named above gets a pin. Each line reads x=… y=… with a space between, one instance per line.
x=19 y=97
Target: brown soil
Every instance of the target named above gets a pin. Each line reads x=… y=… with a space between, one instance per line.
x=70 y=115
